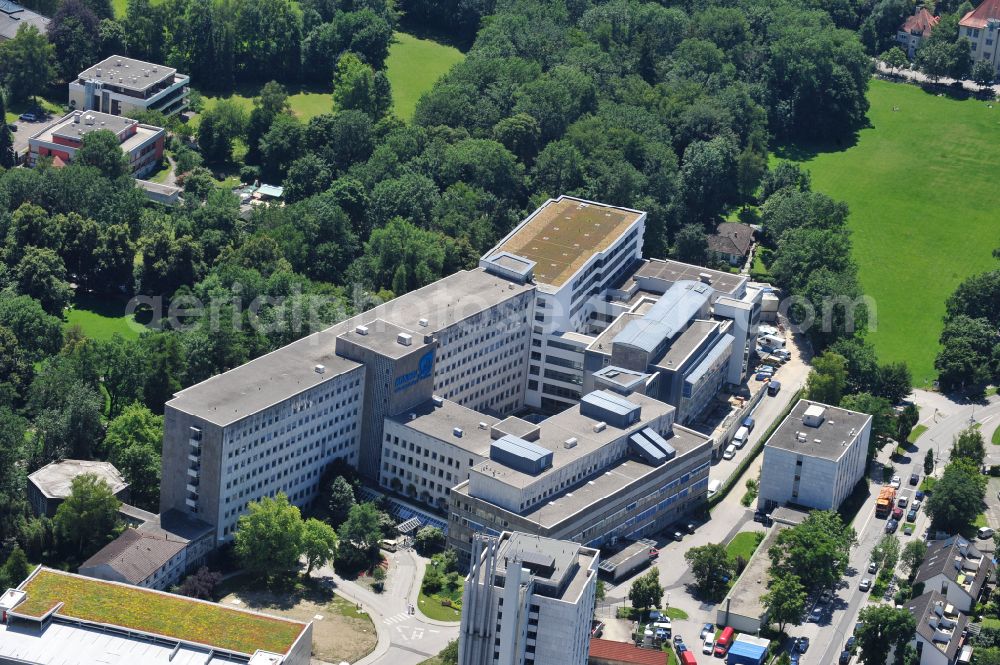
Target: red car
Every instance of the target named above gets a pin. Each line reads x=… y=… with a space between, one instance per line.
x=897 y=513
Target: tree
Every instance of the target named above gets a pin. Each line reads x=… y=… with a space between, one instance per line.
x=827 y=379
x=429 y=539
x=16 y=569
x=27 y=63
x=691 y=245
x=362 y=528
x=13 y=476
x=200 y=584
x=319 y=542
x=886 y=552
x=913 y=555
x=73 y=32
x=133 y=442
x=712 y=569
x=646 y=591
x=38 y=334
x=15 y=370
x=8 y=159
x=101 y=149
x=905 y=423
x=41 y=274
x=817 y=549
x=341 y=500
x=357 y=86
x=307 y=176
x=894 y=382
x=957 y=497
x=165 y=364
x=966 y=354
x=784 y=600
x=983 y=73
x=895 y=58
x=219 y=127
x=929 y=461
x=268 y=539
x=86 y=519
x=882 y=629
x=449 y=655
x=969 y=445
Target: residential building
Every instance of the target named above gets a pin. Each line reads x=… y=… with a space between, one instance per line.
x=815 y=457
x=956 y=569
x=981 y=27
x=50 y=485
x=13 y=16
x=731 y=243
x=742 y=608
x=528 y=600
x=609 y=652
x=940 y=629
x=608 y=468
x=55 y=616
x=915 y=30
x=142 y=144
x=156 y=555
x=574 y=250
x=118 y=85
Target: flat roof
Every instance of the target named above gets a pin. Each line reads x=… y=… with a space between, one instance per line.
x=440 y=421
x=13 y=16
x=674 y=271
x=90 y=121
x=155 y=613
x=54 y=479
x=744 y=597
x=838 y=430
x=128 y=72
x=670 y=314
x=561 y=568
x=625 y=378
x=383 y=337
x=564 y=233
x=274 y=377
x=686 y=343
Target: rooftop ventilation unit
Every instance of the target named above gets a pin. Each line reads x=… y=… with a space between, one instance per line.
x=320 y=369
x=600 y=427
x=98 y=72
x=458 y=432
x=483 y=425
x=570 y=443
x=404 y=339
x=361 y=330
x=424 y=323
x=438 y=401
x=413 y=416
x=706 y=278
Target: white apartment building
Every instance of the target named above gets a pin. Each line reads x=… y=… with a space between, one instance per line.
x=815 y=457
x=574 y=250
x=528 y=600
x=981 y=27
x=118 y=85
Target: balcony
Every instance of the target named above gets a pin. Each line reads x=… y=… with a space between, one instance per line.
x=193 y=489
x=194 y=459
x=195 y=443
x=193 y=472
x=191 y=503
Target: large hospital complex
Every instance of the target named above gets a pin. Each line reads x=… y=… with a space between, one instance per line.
x=545 y=391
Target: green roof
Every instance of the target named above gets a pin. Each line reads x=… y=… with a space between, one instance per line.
x=156 y=612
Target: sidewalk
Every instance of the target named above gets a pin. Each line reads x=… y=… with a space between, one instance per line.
x=920 y=77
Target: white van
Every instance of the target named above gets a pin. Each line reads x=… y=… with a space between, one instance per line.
x=730 y=452
x=714 y=486
x=740 y=439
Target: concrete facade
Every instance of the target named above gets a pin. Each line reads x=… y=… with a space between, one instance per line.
x=815 y=457
x=528 y=601
x=119 y=85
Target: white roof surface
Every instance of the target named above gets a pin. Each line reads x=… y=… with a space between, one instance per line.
x=63 y=644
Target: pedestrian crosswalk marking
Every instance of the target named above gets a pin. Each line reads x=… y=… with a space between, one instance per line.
x=396 y=618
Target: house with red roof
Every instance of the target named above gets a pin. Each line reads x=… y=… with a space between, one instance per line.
x=609 y=652
x=915 y=30
x=981 y=27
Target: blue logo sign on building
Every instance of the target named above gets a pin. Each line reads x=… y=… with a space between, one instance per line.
x=425 y=369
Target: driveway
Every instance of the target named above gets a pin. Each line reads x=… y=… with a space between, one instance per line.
x=403 y=638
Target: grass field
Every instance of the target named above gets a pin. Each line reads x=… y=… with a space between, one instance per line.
x=305 y=103
x=921 y=184
x=995 y=439
x=413 y=67
x=743 y=544
x=916 y=432
x=101 y=318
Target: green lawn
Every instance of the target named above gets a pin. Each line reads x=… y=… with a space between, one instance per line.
x=995 y=439
x=921 y=184
x=432 y=608
x=306 y=103
x=916 y=432
x=101 y=318
x=743 y=544
x=170 y=616
x=413 y=67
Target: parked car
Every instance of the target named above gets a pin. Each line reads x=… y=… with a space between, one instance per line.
x=891 y=526
x=28 y=117
x=865 y=585
x=708 y=646
x=914 y=479
x=773 y=388
x=689 y=527
x=730 y=452
x=761 y=376
x=802 y=644
x=984 y=533
x=678 y=639
x=678 y=536
x=851 y=641
x=895 y=482
x=902 y=501
x=680 y=647
x=708 y=630
x=816 y=614
x=897 y=514
x=795 y=658
x=919 y=495
x=872 y=567
x=845 y=657
x=11 y=126
x=748 y=422
x=916 y=505
x=760 y=515
x=724 y=642
x=741 y=437
x=912 y=515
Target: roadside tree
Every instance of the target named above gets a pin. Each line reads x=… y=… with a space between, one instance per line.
x=883 y=628
x=816 y=550
x=646 y=591
x=319 y=543
x=957 y=498
x=269 y=537
x=712 y=569
x=785 y=600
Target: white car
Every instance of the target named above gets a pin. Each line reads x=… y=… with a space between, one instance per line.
x=895 y=482
x=730 y=452
x=709 y=645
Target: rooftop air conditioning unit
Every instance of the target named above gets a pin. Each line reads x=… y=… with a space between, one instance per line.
x=437 y=400
x=424 y=322
x=404 y=339
x=600 y=427
x=458 y=432
x=483 y=425
x=570 y=442
x=361 y=330
x=320 y=369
